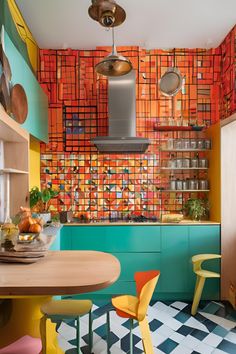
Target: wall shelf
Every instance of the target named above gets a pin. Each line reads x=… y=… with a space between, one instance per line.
x=183 y=168
x=12 y=170
x=185 y=150
x=184 y=190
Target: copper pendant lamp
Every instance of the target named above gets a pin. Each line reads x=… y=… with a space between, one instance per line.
x=114 y=64
x=107 y=13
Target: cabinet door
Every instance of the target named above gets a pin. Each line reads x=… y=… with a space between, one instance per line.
x=174 y=259
x=116 y=238
x=65 y=234
x=205 y=239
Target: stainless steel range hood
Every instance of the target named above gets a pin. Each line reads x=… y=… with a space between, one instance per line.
x=122 y=118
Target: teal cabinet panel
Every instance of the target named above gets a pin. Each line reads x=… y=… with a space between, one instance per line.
x=134 y=262
x=66 y=238
x=174 y=259
x=37 y=120
x=205 y=239
x=117 y=238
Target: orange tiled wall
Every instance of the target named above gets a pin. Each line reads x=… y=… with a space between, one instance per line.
x=100 y=185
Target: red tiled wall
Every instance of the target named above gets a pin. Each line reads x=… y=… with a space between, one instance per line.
x=99 y=184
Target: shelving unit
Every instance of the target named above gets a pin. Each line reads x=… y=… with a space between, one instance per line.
x=184 y=168
x=14 y=166
x=184 y=190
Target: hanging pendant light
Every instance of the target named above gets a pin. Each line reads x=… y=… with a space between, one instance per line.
x=114 y=64
x=107 y=13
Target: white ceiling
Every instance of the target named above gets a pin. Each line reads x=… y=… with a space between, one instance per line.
x=149 y=23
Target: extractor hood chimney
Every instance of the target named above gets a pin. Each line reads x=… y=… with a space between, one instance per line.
x=122 y=118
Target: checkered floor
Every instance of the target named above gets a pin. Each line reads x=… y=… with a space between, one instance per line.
x=174 y=330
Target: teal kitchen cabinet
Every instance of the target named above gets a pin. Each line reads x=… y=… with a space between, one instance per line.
x=205 y=239
x=174 y=259
x=168 y=248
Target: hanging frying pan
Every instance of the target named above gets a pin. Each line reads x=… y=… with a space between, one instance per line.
x=171 y=82
x=19 y=104
x=5 y=94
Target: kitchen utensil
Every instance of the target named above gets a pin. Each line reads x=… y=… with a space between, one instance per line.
x=171 y=82
x=19 y=104
x=5 y=94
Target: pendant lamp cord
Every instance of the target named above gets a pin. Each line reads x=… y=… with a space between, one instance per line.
x=114 y=51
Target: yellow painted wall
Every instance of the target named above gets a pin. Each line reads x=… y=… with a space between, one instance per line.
x=34 y=163
x=214 y=172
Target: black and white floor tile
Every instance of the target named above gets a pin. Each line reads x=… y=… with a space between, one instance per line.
x=173 y=329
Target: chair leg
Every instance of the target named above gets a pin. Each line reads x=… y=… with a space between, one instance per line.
x=197 y=295
x=108 y=332
x=90 y=332
x=43 y=333
x=146 y=336
x=131 y=336
x=78 y=336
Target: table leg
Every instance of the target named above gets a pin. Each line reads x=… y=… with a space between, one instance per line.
x=25 y=319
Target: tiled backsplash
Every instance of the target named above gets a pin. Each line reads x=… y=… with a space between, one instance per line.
x=98 y=184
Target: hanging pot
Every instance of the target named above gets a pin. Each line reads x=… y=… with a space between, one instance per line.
x=171 y=82
x=19 y=104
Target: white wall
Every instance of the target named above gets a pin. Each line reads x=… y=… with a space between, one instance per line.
x=228 y=205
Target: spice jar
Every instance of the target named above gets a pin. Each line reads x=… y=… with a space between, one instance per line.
x=178 y=163
x=185 y=184
x=185 y=144
x=203 y=184
x=193 y=144
x=173 y=184
x=179 y=184
x=194 y=162
x=185 y=163
x=200 y=144
x=207 y=144
x=193 y=184
x=203 y=163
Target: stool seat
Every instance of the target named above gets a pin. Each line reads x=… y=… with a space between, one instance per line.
x=67 y=308
x=24 y=345
x=202 y=275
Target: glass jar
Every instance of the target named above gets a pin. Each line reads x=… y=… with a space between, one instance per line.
x=178 y=144
x=194 y=162
x=170 y=144
x=203 y=163
x=179 y=184
x=173 y=184
x=207 y=144
x=185 y=163
x=178 y=163
x=185 y=144
x=185 y=184
x=200 y=144
x=193 y=144
x=193 y=184
x=203 y=184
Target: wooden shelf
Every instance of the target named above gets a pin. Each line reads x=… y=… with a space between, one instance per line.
x=12 y=170
x=185 y=190
x=183 y=168
x=170 y=128
x=185 y=150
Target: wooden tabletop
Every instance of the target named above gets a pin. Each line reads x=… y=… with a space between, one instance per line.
x=60 y=273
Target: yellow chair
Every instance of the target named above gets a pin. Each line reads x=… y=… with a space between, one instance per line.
x=135 y=307
x=202 y=274
x=66 y=309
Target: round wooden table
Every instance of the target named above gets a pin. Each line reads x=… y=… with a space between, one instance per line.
x=59 y=273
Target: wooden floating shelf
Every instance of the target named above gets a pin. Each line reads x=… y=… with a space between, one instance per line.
x=185 y=150
x=185 y=190
x=183 y=168
x=177 y=128
x=12 y=170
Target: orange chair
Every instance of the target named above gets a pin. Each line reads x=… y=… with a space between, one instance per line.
x=24 y=345
x=135 y=307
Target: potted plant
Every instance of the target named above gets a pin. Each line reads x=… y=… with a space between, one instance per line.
x=196 y=208
x=40 y=201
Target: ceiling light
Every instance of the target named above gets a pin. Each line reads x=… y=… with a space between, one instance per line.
x=114 y=64
x=107 y=13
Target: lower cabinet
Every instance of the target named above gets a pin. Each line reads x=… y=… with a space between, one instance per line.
x=138 y=248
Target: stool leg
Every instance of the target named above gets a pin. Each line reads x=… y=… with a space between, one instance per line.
x=197 y=295
x=108 y=332
x=146 y=336
x=78 y=336
x=131 y=336
x=43 y=333
x=90 y=332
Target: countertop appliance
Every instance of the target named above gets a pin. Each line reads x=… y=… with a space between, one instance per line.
x=122 y=118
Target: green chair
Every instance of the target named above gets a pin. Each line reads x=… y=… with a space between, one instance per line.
x=66 y=309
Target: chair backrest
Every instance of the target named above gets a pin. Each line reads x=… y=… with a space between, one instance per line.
x=145 y=285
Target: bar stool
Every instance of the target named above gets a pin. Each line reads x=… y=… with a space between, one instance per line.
x=24 y=345
x=202 y=274
x=66 y=309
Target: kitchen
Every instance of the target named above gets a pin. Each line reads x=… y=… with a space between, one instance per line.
x=131 y=203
